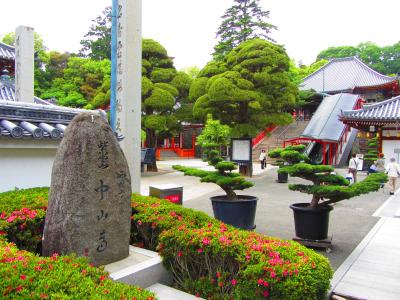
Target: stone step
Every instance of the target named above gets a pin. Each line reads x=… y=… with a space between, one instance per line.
x=142 y=267
x=164 y=292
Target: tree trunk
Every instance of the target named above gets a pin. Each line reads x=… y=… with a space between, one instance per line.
x=314 y=201
x=151 y=142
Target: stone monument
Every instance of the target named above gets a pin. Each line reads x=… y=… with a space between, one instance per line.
x=89 y=207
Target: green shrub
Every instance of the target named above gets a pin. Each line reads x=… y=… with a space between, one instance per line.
x=206 y=257
x=26 y=276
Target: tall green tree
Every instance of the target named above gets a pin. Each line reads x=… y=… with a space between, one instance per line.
x=243 y=21
x=97 y=41
x=249 y=90
x=164 y=92
x=85 y=83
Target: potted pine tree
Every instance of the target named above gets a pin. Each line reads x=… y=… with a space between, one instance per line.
x=312 y=219
x=287 y=156
x=231 y=208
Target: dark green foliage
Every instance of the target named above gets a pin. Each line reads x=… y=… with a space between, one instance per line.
x=248 y=91
x=329 y=186
x=223 y=176
x=289 y=155
x=244 y=20
x=164 y=93
x=372 y=152
x=97 y=42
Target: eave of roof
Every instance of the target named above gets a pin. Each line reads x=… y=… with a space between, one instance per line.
x=385 y=111
x=7 y=52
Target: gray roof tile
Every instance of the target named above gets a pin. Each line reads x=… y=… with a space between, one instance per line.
x=7 y=52
x=388 y=110
x=344 y=74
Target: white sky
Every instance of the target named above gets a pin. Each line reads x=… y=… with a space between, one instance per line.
x=186 y=28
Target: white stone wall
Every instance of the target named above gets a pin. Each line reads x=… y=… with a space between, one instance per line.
x=388 y=149
x=25 y=168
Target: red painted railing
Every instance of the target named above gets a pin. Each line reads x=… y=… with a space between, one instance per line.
x=262 y=135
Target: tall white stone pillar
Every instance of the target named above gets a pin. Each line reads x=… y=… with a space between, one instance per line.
x=24 y=54
x=129 y=77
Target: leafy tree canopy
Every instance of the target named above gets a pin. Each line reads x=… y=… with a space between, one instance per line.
x=385 y=60
x=243 y=21
x=249 y=90
x=97 y=41
x=164 y=93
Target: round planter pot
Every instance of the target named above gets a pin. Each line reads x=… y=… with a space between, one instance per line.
x=311 y=223
x=240 y=213
x=283 y=177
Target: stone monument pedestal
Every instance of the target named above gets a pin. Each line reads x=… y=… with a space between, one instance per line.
x=142 y=267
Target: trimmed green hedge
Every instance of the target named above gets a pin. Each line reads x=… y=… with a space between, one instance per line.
x=206 y=257
x=25 y=275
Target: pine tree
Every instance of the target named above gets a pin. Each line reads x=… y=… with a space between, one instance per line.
x=243 y=21
x=97 y=42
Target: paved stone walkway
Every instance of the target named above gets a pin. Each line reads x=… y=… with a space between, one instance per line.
x=372 y=271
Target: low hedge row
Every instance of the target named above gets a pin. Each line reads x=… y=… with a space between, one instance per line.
x=216 y=261
x=206 y=257
x=25 y=275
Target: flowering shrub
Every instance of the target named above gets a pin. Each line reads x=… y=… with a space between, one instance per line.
x=26 y=276
x=206 y=257
x=216 y=261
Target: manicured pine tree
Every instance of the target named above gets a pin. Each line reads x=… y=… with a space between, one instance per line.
x=243 y=21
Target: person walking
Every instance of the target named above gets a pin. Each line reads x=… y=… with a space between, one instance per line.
x=263 y=159
x=380 y=163
x=393 y=171
x=353 y=164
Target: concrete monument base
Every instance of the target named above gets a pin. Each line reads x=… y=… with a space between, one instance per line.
x=142 y=267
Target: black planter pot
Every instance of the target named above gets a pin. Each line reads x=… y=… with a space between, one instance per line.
x=239 y=213
x=283 y=177
x=311 y=223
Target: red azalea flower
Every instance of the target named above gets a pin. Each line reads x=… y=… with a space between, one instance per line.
x=233 y=281
x=218 y=274
x=260 y=281
x=179 y=253
x=266 y=294
x=23 y=277
x=200 y=250
x=206 y=241
x=43 y=296
x=19 y=288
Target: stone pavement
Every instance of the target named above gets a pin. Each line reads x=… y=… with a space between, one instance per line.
x=372 y=271
x=351 y=222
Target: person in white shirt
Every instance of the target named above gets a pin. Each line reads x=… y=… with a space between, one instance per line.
x=263 y=159
x=353 y=164
x=393 y=171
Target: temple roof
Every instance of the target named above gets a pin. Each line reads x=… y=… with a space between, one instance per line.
x=325 y=124
x=38 y=121
x=7 y=93
x=344 y=74
x=387 y=111
x=7 y=52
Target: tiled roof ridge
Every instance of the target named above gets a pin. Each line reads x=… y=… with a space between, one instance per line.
x=372 y=106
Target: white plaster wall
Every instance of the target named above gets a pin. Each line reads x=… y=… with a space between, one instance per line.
x=388 y=147
x=25 y=168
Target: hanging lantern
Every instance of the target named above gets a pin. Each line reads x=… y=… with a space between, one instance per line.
x=359 y=134
x=378 y=135
x=398 y=134
x=367 y=135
